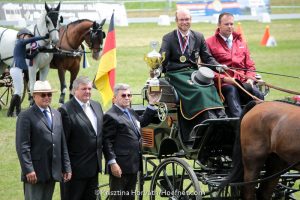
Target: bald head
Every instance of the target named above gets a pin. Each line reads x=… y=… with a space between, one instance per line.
x=182 y=11
x=183 y=19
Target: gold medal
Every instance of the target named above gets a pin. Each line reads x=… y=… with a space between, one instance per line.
x=182 y=58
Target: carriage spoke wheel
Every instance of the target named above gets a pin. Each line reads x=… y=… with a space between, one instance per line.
x=162 y=111
x=174 y=179
x=7 y=90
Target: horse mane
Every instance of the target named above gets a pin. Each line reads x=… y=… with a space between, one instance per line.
x=79 y=21
x=288 y=102
x=237 y=172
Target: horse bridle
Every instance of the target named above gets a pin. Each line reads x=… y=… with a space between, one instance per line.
x=95 y=33
x=46 y=21
x=53 y=20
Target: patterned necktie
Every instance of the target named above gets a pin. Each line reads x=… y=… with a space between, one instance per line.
x=127 y=114
x=48 y=119
x=84 y=107
x=184 y=39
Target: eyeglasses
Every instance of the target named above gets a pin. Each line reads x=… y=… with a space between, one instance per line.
x=43 y=95
x=126 y=95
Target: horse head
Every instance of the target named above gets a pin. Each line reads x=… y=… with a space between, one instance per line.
x=95 y=39
x=52 y=22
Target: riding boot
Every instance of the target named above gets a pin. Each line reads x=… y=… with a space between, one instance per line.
x=10 y=111
x=18 y=105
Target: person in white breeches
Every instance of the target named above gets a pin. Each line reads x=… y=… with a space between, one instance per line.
x=24 y=37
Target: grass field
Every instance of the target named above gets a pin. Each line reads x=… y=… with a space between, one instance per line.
x=132 y=44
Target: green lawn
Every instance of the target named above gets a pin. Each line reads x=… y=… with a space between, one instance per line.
x=132 y=44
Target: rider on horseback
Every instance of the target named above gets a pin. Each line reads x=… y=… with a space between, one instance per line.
x=24 y=37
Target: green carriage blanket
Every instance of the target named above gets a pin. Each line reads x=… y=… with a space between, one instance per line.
x=194 y=98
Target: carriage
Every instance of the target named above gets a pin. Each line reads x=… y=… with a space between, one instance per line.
x=194 y=167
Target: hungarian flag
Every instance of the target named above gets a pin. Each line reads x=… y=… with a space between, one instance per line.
x=105 y=78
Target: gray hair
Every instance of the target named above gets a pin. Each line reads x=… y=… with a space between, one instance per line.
x=120 y=86
x=80 y=80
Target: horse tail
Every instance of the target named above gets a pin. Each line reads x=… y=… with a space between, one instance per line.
x=237 y=172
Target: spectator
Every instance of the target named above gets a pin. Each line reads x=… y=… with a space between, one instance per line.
x=122 y=142
x=82 y=122
x=41 y=146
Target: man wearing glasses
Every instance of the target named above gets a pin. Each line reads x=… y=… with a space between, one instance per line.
x=82 y=121
x=184 y=49
x=41 y=146
x=122 y=141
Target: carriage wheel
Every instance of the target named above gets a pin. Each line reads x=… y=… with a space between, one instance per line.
x=162 y=111
x=174 y=179
x=7 y=90
x=140 y=185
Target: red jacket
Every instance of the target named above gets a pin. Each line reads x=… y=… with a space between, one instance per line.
x=237 y=57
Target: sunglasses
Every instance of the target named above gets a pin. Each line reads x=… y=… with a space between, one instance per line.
x=126 y=95
x=43 y=95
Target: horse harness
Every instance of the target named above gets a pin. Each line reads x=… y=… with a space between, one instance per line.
x=94 y=32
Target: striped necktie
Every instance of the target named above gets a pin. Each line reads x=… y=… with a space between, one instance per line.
x=48 y=119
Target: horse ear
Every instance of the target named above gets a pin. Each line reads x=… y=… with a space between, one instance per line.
x=47 y=7
x=61 y=19
x=58 y=7
x=103 y=22
x=94 y=25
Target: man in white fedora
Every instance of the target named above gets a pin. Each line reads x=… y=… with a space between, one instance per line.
x=41 y=146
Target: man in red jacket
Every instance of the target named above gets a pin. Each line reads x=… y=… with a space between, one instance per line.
x=228 y=48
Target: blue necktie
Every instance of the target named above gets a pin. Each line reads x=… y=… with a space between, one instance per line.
x=229 y=43
x=49 y=122
x=130 y=119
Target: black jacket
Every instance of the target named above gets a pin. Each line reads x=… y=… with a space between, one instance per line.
x=122 y=141
x=197 y=48
x=85 y=147
x=40 y=148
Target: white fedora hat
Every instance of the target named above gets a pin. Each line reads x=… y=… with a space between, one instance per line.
x=42 y=86
x=203 y=76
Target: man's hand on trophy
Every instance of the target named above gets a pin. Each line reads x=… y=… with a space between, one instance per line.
x=157 y=72
x=153 y=97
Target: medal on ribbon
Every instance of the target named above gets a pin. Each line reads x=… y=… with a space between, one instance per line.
x=183 y=45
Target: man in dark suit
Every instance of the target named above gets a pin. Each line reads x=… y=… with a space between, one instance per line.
x=183 y=46
x=41 y=146
x=122 y=141
x=82 y=122
x=184 y=49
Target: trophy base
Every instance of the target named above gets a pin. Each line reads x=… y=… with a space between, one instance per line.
x=154 y=88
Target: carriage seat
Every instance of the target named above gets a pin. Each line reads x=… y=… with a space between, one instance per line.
x=169 y=94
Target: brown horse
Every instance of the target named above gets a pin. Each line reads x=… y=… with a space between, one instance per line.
x=71 y=49
x=269 y=139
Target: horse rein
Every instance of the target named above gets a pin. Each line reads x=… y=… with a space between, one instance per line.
x=267 y=84
x=239 y=86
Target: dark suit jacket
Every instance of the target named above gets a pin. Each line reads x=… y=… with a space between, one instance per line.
x=85 y=147
x=197 y=47
x=40 y=148
x=122 y=141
